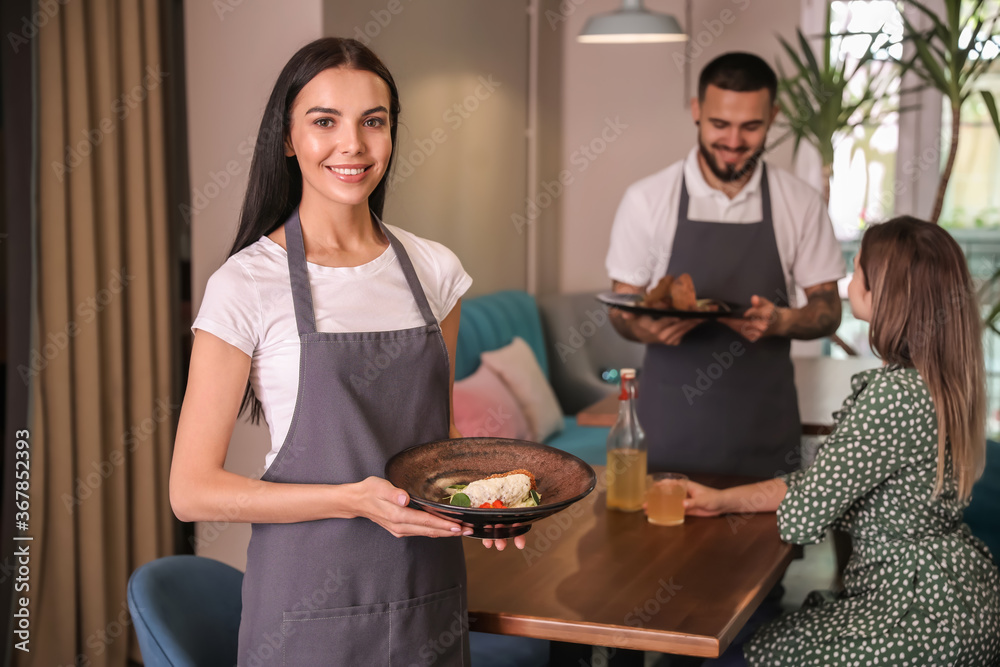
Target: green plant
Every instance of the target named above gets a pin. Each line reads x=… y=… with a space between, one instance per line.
x=863 y=144
x=988 y=218
x=942 y=61
x=991 y=106
x=826 y=97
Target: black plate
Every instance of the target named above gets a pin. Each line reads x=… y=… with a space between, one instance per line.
x=630 y=304
x=425 y=471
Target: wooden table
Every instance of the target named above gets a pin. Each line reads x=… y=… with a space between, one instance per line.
x=592 y=576
x=822 y=383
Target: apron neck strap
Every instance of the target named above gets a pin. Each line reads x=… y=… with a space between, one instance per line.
x=411 y=275
x=765 y=195
x=305 y=317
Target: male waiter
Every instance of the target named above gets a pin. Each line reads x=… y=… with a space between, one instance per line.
x=719 y=396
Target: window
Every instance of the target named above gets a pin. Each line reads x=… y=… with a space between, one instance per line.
x=864 y=163
x=973 y=197
x=865 y=168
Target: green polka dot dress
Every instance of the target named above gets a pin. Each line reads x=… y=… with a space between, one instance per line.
x=919 y=589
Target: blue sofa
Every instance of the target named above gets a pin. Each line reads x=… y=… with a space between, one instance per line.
x=492 y=321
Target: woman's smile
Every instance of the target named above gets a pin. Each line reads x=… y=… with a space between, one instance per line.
x=350 y=173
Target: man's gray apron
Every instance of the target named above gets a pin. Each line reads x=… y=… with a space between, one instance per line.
x=345 y=591
x=717 y=402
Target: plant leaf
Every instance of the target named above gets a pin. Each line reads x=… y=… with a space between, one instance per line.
x=809 y=55
x=932 y=15
x=931 y=67
x=962 y=55
x=991 y=106
x=799 y=66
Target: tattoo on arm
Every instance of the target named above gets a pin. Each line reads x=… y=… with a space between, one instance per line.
x=623 y=328
x=819 y=317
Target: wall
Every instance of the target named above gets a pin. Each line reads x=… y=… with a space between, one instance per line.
x=546 y=202
x=627 y=114
x=234 y=52
x=462 y=73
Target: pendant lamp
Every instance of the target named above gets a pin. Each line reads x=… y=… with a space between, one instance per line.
x=632 y=24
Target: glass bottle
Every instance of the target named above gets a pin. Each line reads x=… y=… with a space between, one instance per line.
x=626 y=473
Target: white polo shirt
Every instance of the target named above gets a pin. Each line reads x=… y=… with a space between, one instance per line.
x=643 y=232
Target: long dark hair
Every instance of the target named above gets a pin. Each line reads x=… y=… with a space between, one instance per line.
x=925 y=315
x=275 y=185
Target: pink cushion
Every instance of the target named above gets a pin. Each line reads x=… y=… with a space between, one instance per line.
x=484 y=407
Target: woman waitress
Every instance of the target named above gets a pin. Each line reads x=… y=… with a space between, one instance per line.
x=340 y=332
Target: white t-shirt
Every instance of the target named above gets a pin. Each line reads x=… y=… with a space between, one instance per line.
x=248 y=304
x=643 y=232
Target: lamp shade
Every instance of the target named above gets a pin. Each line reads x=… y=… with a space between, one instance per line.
x=630 y=25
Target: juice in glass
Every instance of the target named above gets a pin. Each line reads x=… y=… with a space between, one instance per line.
x=665 y=499
x=626 y=479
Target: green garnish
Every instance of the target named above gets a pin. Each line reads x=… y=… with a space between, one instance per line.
x=460 y=500
x=535 y=497
x=458 y=486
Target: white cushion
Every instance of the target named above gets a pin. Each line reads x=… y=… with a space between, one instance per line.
x=517 y=367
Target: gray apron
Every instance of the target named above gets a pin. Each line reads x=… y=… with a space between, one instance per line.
x=717 y=402
x=345 y=591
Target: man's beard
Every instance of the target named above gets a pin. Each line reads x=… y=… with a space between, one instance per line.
x=729 y=174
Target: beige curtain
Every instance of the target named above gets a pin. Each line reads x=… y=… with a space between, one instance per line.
x=103 y=401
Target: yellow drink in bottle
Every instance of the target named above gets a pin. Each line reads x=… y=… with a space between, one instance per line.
x=626 y=473
x=626 y=479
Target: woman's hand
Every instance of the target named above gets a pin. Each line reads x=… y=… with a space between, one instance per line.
x=703 y=500
x=502 y=544
x=760 y=497
x=377 y=499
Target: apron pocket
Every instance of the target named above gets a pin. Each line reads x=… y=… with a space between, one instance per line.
x=345 y=636
x=429 y=630
x=426 y=630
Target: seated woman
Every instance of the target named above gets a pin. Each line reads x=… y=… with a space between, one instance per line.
x=896 y=474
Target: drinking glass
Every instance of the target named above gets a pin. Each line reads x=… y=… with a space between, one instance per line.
x=665 y=493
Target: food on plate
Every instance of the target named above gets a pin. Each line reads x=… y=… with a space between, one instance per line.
x=659 y=296
x=710 y=305
x=677 y=293
x=514 y=488
x=682 y=293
